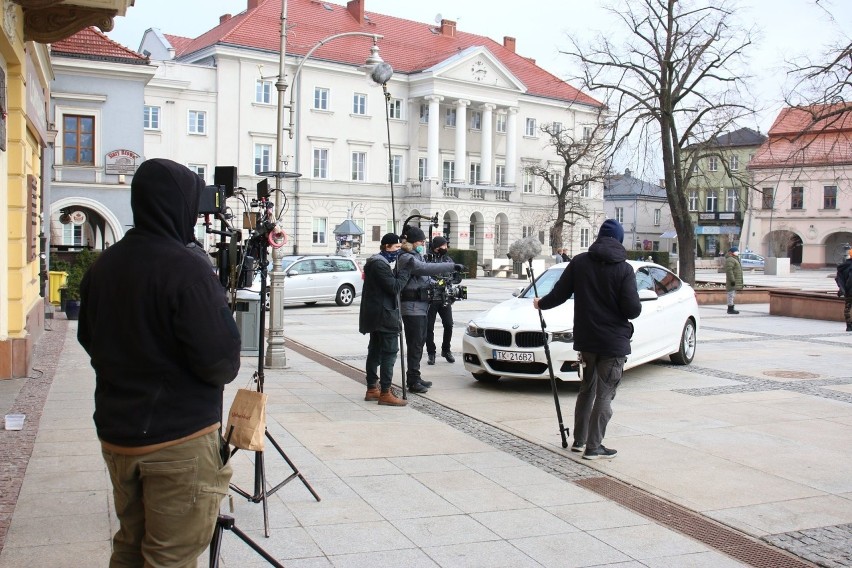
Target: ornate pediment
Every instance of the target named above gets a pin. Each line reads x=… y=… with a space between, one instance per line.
x=48 y=21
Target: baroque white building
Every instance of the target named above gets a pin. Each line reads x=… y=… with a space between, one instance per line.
x=462 y=123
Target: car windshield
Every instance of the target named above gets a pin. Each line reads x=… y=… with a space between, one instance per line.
x=544 y=284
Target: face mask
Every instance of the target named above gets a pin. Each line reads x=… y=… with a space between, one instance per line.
x=419 y=249
x=390 y=256
x=442 y=251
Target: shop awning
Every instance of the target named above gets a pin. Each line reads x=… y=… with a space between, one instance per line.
x=669 y=235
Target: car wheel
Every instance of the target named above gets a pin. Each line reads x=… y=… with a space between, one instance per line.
x=686 y=352
x=486 y=377
x=345 y=295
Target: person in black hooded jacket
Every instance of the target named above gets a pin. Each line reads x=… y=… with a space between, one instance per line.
x=844 y=285
x=605 y=299
x=163 y=344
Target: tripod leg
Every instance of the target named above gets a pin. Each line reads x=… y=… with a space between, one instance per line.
x=296 y=471
x=256 y=547
x=216 y=543
x=261 y=478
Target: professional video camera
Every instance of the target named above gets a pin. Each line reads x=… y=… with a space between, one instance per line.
x=446 y=290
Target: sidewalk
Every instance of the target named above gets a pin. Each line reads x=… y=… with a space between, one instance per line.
x=399 y=488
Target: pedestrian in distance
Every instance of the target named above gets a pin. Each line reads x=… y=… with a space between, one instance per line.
x=163 y=344
x=844 y=285
x=733 y=277
x=605 y=300
x=565 y=256
x=439 y=248
x=415 y=301
x=380 y=317
x=557 y=256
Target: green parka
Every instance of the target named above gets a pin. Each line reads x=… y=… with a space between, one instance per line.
x=733 y=273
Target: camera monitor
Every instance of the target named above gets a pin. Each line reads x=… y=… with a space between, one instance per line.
x=212 y=200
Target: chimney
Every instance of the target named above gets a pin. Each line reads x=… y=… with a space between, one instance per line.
x=448 y=28
x=356 y=8
x=509 y=43
x=224 y=18
x=252 y=4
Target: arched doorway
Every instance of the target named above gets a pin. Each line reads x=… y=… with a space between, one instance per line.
x=80 y=222
x=836 y=245
x=501 y=235
x=476 y=232
x=450 y=228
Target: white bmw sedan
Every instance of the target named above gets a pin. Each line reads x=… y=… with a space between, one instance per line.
x=507 y=340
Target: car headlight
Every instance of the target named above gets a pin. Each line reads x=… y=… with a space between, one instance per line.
x=474 y=330
x=563 y=336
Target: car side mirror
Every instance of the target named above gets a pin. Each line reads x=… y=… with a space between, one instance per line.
x=517 y=292
x=293 y=273
x=647 y=295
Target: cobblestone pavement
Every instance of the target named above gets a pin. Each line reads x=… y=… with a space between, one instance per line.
x=826 y=546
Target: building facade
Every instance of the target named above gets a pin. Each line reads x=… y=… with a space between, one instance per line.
x=719 y=190
x=459 y=123
x=802 y=205
x=25 y=133
x=643 y=210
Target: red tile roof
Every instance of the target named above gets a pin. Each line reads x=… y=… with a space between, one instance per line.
x=90 y=43
x=408 y=46
x=800 y=138
x=178 y=42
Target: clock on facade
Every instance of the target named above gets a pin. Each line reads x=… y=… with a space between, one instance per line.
x=478 y=70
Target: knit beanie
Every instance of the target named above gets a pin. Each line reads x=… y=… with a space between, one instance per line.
x=413 y=234
x=612 y=228
x=390 y=239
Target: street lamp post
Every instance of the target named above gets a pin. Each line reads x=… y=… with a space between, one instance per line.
x=380 y=72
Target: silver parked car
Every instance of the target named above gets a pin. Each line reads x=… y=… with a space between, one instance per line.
x=318 y=278
x=750 y=259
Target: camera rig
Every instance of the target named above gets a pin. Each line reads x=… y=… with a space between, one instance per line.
x=446 y=289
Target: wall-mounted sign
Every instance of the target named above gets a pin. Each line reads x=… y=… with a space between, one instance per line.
x=78 y=217
x=120 y=162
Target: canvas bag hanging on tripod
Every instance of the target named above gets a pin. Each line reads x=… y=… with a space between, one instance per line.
x=247 y=420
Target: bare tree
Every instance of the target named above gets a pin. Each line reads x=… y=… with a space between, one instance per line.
x=582 y=154
x=674 y=85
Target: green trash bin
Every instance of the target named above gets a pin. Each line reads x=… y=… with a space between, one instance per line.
x=56 y=280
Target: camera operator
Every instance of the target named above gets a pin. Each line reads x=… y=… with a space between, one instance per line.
x=379 y=316
x=444 y=309
x=415 y=302
x=163 y=344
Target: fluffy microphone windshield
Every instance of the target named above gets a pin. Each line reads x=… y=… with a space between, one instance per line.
x=524 y=250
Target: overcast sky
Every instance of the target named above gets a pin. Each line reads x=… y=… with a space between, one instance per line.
x=788 y=28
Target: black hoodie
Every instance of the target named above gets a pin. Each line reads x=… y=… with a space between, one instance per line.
x=605 y=298
x=154 y=320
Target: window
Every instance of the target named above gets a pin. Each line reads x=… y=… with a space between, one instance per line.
x=421 y=169
x=713 y=164
x=72 y=235
x=263 y=92
x=320 y=163
x=732 y=199
x=449 y=170
x=587 y=186
x=619 y=214
x=197 y=122
x=320 y=98
x=501 y=123
x=396 y=169
x=359 y=166
x=262 y=153
x=526 y=231
x=797 y=198
x=359 y=104
x=734 y=162
x=587 y=133
x=318 y=230
x=395 y=108
x=500 y=175
x=712 y=200
x=78 y=138
x=829 y=197
x=557 y=128
x=474 y=174
x=556 y=178
x=152 y=118
x=476 y=120
x=692 y=201
x=585 y=235
x=450 y=117
x=768 y=201
x=424 y=114
x=528 y=182
x=471 y=239
x=657 y=216
x=529 y=129
x=199 y=169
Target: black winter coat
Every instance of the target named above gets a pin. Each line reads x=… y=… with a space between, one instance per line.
x=605 y=298
x=154 y=320
x=379 y=310
x=844 y=278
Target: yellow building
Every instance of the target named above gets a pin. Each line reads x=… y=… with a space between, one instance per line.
x=25 y=75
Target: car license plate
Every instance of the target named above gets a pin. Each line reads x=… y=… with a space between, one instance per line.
x=522 y=356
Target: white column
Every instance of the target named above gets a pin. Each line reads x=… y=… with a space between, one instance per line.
x=486 y=163
x=413 y=138
x=461 y=140
x=433 y=156
x=511 y=145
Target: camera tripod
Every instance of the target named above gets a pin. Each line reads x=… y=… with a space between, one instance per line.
x=261 y=493
x=226 y=523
